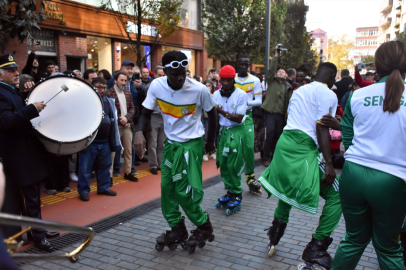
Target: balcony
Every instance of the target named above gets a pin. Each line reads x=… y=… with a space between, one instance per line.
x=386 y=6
x=385 y=22
x=383 y=38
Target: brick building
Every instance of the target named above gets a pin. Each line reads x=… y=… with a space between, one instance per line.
x=75 y=36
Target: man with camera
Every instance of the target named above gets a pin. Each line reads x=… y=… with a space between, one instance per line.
x=31 y=67
x=275 y=107
x=215 y=79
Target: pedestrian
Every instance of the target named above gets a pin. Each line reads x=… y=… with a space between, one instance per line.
x=105 y=74
x=77 y=73
x=181 y=100
x=372 y=183
x=156 y=137
x=24 y=156
x=89 y=75
x=99 y=152
x=305 y=180
x=125 y=111
x=275 y=107
x=31 y=67
x=232 y=107
x=50 y=68
x=251 y=85
x=343 y=84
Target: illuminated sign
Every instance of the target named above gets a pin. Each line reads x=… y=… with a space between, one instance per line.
x=52 y=11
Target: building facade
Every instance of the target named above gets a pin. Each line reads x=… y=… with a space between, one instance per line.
x=75 y=36
x=366 y=42
x=392 y=21
x=320 y=43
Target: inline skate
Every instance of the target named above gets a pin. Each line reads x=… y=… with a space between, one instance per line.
x=199 y=236
x=275 y=233
x=316 y=256
x=253 y=185
x=234 y=204
x=223 y=201
x=178 y=235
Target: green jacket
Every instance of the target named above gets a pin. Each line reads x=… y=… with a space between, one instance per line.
x=278 y=93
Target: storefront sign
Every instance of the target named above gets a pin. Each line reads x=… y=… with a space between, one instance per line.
x=46 y=39
x=146 y=30
x=53 y=11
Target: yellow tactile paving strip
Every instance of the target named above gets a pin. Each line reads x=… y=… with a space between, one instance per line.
x=61 y=196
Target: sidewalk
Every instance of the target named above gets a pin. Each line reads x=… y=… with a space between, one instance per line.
x=240 y=243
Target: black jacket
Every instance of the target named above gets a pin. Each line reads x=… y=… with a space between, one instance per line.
x=28 y=69
x=24 y=156
x=342 y=87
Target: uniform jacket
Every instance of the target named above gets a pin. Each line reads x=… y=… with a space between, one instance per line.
x=24 y=156
x=130 y=105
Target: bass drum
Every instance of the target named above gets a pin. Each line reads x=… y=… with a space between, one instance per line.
x=69 y=122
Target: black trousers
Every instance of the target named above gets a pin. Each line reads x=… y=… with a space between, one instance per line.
x=59 y=177
x=26 y=201
x=274 y=124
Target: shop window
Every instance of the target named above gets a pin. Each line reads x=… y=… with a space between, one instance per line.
x=99 y=54
x=190 y=55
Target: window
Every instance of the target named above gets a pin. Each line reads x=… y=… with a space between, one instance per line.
x=99 y=53
x=372 y=42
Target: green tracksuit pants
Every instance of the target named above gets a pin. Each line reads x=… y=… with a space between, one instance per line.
x=330 y=215
x=374 y=207
x=230 y=158
x=248 y=150
x=181 y=181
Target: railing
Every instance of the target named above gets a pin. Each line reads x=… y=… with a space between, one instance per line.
x=386 y=6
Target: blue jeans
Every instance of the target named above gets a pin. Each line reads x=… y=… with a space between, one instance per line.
x=98 y=154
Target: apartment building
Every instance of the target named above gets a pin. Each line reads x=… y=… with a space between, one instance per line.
x=366 y=42
x=392 y=20
x=320 y=42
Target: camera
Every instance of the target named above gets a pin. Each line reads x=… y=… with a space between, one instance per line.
x=136 y=76
x=280 y=49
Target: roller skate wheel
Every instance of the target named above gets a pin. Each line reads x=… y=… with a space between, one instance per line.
x=159 y=247
x=201 y=245
x=173 y=246
x=229 y=212
x=191 y=250
x=211 y=238
x=183 y=245
x=218 y=204
x=260 y=191
x=307 y=266
x=271 y=251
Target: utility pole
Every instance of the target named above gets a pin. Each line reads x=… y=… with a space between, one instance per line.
x=268 y=36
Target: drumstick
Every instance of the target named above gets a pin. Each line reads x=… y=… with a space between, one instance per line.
x=64 y=88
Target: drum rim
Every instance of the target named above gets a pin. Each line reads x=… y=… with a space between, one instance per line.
x=72 y=77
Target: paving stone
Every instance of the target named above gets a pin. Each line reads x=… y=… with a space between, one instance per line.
x=240 y=243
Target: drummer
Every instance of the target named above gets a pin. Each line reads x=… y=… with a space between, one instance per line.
x=23 y=154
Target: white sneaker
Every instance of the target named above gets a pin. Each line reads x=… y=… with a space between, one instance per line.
x=205 y=158
x=213 y=156
x=73 y=177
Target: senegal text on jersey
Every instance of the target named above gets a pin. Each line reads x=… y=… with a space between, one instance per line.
x=378 y=101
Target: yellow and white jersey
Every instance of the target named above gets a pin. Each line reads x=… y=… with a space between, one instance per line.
x=252 y=87
x=181 y=109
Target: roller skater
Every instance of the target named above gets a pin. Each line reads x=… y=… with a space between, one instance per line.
x=181 y=101
x=199 y=236
x=253 y=185
x=171 y=239
x=316 y=255
x=309 y=176
x=275 y=233
x=251 y=86
x=232 y=105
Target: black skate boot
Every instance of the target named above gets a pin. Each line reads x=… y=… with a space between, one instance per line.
x=253 y=185
x=178 y=235
x=316 y=253
x=199 y=236
x=234 y=204
x=403 y=244
x=275 y=233
x=223 y=201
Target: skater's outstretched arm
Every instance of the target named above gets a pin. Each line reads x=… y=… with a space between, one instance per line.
x=142 y=126
x=211 y=131
x=323 y=138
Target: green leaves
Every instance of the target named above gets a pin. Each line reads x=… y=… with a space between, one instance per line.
x=17 y=19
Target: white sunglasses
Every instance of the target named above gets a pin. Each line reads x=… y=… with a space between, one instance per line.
x=176 y=64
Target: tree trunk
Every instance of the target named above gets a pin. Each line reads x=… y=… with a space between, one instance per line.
x=139 y=19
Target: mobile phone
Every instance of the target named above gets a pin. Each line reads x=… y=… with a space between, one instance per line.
x=38 y=43
x=136 y=76
x=362 y=66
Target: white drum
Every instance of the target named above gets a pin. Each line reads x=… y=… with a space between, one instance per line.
x=69 y=122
